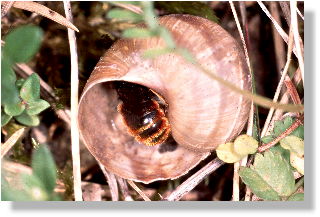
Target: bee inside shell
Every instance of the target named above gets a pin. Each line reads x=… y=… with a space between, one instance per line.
x=143 y=112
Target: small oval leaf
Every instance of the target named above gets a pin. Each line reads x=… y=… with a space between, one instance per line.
x=5 y=118
x=9 y=91
x=29 y=120
x=44 y=167
x=245 y=144
x=294 y=144
x=14 y=109
x=36 y=107
x=22 y=43
x=226 y=153
x=30 y=90
x=257 y=184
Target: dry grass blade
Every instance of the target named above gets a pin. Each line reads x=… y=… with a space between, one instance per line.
x=124 y=189
x=112 y=182
x=279 y=47
x=241 y=35
x=11 y=141
x=194 y=180
x=44 y=11
x=286 y=11
x=236 y=178
x=283 y=76
x=74 y=107
x=298 y=44
x=277 y=26
x=141 y=193
x=130 y=7
x=285 y=99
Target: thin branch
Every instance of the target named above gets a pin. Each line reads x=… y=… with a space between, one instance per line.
x=236 y=177
x=241 y=35
x=298 y=44
x=299 y=184
x=124 y=188
x=11 y=142
x=74 y=107
x=112 y=182
x=284 y=35
x=141 y=193
x=286 y=11
x=279 y=47
x=287 y=132
x=283 y=76
x=194 y=180
x=285 y=99
x=292 y=91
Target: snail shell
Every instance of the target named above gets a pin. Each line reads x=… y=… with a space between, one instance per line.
x=202 y=113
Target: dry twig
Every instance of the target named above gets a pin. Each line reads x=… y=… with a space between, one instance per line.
x=112 y=182
x=11 y=141
x=74 y=107
x=296 y=36
x=287 y=132
x=283 y=76
x=124 y=189
x=194 y=180
x=44 y=11
x=141 y=193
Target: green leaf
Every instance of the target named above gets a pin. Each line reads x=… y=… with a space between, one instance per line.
x=22 y=43
x=276 y=172
x=126 y=2
x=297 y=197
x=34 y=187
x=153 y=53
x=29 y=120
x=124 y=15
x=149 y=15
x=257 y=184
x=36 y=107
x=299 y=132
x=245 y=144
x=226 y=153
x=293 y=144
x=277 y=149
x=5 y=118
x=20 y=82
x=44 y=167
x=137 y=33
x=166 y=36
x=9 y=91
x=30 y=90
x=200 y=9
x=9 y=193
x=14 y=109
x=267 y=139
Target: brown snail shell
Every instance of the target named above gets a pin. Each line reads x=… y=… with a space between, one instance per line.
x=202 y=113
